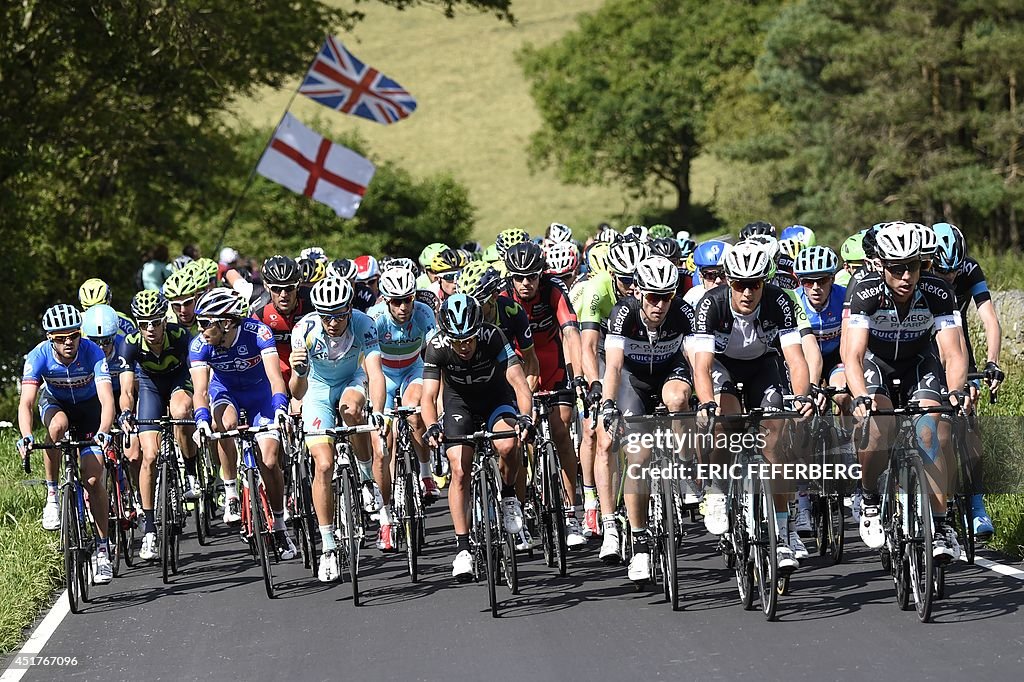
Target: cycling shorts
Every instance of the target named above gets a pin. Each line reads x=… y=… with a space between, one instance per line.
x=921 y=378
x=155 y=395
x=83 y=417
x=462 y=420
x=257 y=404
x=400 y=380
x=320 y=404
x=763 y=382
x=640 y=393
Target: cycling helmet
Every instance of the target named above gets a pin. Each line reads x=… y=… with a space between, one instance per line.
x=460 y=316
x=929 y=240
x=220 y=303
x=868 y=241
x=313 y=253
x=448 y=260
x=898 y=241
x=93 y=292
x=790 y=247
x=747 y=260
x=597 y=257
x=184 y=282
x=757 y=227
x=557 y=232
x=802 y=234
x=686 y=247
x=397 y=283
x=332 y=295
x=428 y=253
x=473 y=248
x=852 y=249
x=367 y=268
x=479 y=280
x=816 y=261
x=606 y=234
x=99 y=321
x=281 y=270
x=343 y=268
x=149 y=305
x=952 y=249
x=562 y=258
x=508 y=238
x=525 y=258
x=61 y=318
x=668 y=248
x=491 y=254
x=710 y=253
x=640 y=232
x=392 y=263
x=660 y=232
x=656 y=275
x=180 y=263
x=624 y=255
x=210 y=269
x=312 y=270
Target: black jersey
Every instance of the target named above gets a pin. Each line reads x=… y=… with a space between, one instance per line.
x=481 y=376
x=773 y=325
x=171 y=357
x=648 y=351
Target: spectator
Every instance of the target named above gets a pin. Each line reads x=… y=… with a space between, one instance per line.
x=192 y=251
x=155 y=270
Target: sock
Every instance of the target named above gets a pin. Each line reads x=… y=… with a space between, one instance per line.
x=279 y=523
x=51 y=491
x=327 y=537
x=870 y=497
x=102 y=547
x=590 y=497
x=230 y=489
x=365 y=469
x=425 y=471
x=190 y=467
x=641 y=541
x=607 y=519
x=507 y=490
x=462 y=543
x=782 y=523
x=385 y=515
x=570 y=511
x=803 y=500
x=150 y=523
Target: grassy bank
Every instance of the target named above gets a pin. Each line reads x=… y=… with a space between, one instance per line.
x=30 y=566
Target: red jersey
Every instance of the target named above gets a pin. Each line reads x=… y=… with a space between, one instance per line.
x=281 y=325
x=549 y=312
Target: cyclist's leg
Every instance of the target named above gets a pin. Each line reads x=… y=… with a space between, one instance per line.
x=318 y=414
x=875 y=457
x=55 y=419
x=84 y=421
x=636 y=397
x=509 y=459
x=926 y=383
x=225 y=418
x=179 y=399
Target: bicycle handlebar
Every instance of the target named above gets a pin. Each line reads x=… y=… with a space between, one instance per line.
x=343 y=431
x=243 y=431
x=26 y=460
x=479 y=436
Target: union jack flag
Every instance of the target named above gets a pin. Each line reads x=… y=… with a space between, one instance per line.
x=337 y=79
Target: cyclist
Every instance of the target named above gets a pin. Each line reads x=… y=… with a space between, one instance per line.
x=368 y=274
x=557 y=341
x=182 y=289
x=558 y=233
x=483 y=384
x=77 y=398
x=891 y=318
x=610 y=281
x=425 y=259
x=403 y=325
x=207 y=269
x=739 y=331
x=446 y=266
x=822 y=300
x=96 y=292
x=234 y=366
x=965 y=276
x=852 y=252
x=328 y=346
x=562 y=261
x=287 y=305
x=157 y=382
x=644 y=361
x=707 y=260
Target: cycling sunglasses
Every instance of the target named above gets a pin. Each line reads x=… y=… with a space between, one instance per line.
x=526 y=278
x=744 y=284
x=655 y=299
x=900 y=269
x=330 y=317
x=207 y=322
x=450 y=276
x=405 y=300
x=65 y=338
x=809 y=282
x=712 y=274
x=282 y=288
x=103 y=340
x=152 y=324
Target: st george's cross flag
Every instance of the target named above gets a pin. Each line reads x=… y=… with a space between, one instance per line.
x=307 y=163
x=339 y=81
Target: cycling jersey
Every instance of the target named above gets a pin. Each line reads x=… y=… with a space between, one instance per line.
x=67 y=384
x=171 y=358
x=237 y=369
x=549 y=312
x=125 y=325
x=281 y=325
x=593 y=299
x=364 y=298
x=428 y=298
x=116 y=364
x=401 y=346
x=480 y=377
x=970 y=284
x=784 y=277
x=648 y=352
x=719 y=329
x=900 y=332
x=826 y=323
x=335 y=360
x=192 y=329
x=512 y=321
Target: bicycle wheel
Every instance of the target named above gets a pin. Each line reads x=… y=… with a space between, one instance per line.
x=919 y=538
x=765 y=544
x=556 y=504
x=895 y=542
x=129 y=520
x=545 y=522
x=742 y=562
x=489 y=518
x=166 y=521
x=965 y=519
x=410 y=525
x=177 y=526
x=114 y=537
x=305 y=519
x=261 y=526
x=203 y=503
x=669 y=559
x=507 y=560
x=836 y=529
x=346 y=511
x=70 y=544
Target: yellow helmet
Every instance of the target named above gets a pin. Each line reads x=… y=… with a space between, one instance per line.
x=93 y=292
x=185 y=282
x=597 y=257
x=448 y=260
x=209 y=268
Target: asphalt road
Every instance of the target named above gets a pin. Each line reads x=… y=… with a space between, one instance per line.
x=838 y=622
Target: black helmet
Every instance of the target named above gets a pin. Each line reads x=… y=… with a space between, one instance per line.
x=525 y=258
x=869 y=243
x=281 y=270
x=758 y=227
x=667 y=247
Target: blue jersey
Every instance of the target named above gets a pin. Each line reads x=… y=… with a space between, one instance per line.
x=118 y=363
x=335 y=360
x=401 y=344
x=68 y=384
x=239 y=368
x=828 y=322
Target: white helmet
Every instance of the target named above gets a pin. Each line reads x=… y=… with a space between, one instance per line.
x=606 y=234
x=331 y=295
x=638 y=231
x=929 y=240
x=221 y=303
x=562 y=258
x=767 y=242
x=61 y=318
x=343 y=268
x=557 y=232
x=397 y=283
x=816 y=260
x=398 y=263
x=898 y=241
x=313 y=253
x=656 y=275
x=624 y=256
x=747 y=260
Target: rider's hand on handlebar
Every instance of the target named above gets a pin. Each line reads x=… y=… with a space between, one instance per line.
x=804 y=405
x=610 y=415
x=24 y=443
x=203 y=431
x=862 y=406
x=434 y=435
x=993 y=375
x=594 y=395
x=126 y=420
x=525 y=428
x=705 y=412
x=961 y=399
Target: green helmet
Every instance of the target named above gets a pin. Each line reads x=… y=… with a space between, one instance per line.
x=479 y=279
x=509 y=238
x=183 y=282
x=429 y=251
x=491 y=254
x=149 y=304
x=208 y=268
x=852 y=249
x=660 y=232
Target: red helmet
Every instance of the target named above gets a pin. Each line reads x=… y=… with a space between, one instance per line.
x=367 y=268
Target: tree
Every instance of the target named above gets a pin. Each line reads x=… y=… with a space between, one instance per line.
x=896 y=109
x=625 y=98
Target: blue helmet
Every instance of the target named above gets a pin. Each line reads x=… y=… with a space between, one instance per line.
x=99 y=321
x=802 y=234
x=952 y=247
x=460 y=316
x=710 y=253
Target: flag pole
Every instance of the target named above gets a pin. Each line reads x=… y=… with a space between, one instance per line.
x=252 y=173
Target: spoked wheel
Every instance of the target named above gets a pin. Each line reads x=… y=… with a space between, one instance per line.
x=70 y=542
x=555 y=504
x=166 y=523
x=822 y=532
x=669 y=553
x=305 y=521
x=261 y=529
x=764 y=546
x=203 y=502
x=484 y=502
x=919 y=540
x=742 y=562
x=965 y=519
x=836 y=530
x=346 y=513
x=509 y=562
x=410 y=525
x=115 y=539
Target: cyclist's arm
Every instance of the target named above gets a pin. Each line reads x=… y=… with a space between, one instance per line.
x=531 y=367
x=570 y=328
x=993 y=330
x=588 y=349
x=812 y=354
x=702 y=384
x=613 y=359
x=517 y=380
x=428 y=401
x=128 y=391
x=200 y=387
x=855 y=341
x=953 y=358
x=298 y=385
x=272 y=365
x=26 y=405
x=798 y=372
x=105 y=393
x=375 y=377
